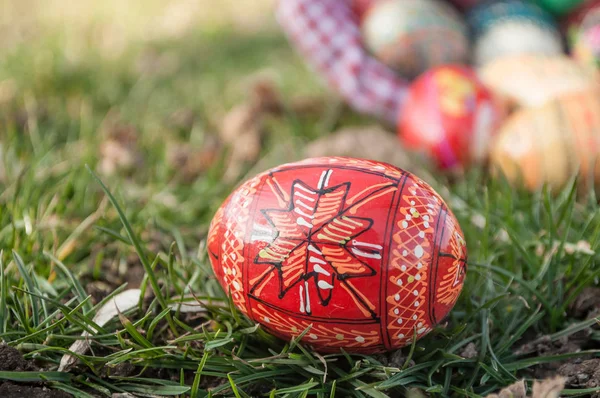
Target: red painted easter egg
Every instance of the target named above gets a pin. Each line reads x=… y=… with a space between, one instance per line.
x=360 y=7
x=450 y=116
x=366 y=253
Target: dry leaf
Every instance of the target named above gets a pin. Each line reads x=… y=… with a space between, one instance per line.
x=119 y=150
x=8 y=91
x=478 y=220
x=581 y=247
x=192 y=161
x=470 y=351
x=549 y=388
x=502 y=236
x=242 y=128
x=371 y=142
x=308 y=105
x=183 y=119
x=416 y=393
x=266 y=97
x=119 y=303
x=516 y=390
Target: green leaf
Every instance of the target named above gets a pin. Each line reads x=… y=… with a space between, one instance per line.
x=138 y=248
x=24 y=377
x=154 y=389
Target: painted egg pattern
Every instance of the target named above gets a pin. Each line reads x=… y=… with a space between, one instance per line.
x=464 y=4
x=451 y=116
x=360 y=7
x=574 y=19
x=411 y=36
x=559 y=7
x=549 y=144
x=585 y=39
x=509 y=27
x=535 y=80
x=366 y=253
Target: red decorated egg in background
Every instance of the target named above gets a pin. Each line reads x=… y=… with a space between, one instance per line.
x=410 y=36
x=451 y=116
x=366 y=253
x=360 y=7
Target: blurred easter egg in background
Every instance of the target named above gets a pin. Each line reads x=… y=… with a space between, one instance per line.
x=559 y=7
x=410 y=36
x=360 y=7
x=464 y=4
x=584 y=38
x=551 y=143
x=451 y=116
x=509 y=27
x=575 y=17
x=532 y=80
x=365 y=255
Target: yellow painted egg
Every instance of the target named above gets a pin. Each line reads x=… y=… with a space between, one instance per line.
x=551 y=143
x=533 y=80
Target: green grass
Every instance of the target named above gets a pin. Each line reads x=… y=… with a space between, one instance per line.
x=61 y=234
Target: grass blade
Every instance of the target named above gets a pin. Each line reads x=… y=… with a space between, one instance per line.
x=138 y=248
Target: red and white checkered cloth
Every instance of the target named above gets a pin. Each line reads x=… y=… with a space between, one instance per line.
x=327 y=34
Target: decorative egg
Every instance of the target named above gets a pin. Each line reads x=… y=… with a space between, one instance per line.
x=559 y=7
x=585 y=38
x=549 y=144
x=411 y=36
x=450 y=115
x=532 y=80
x=464 y=4
x=509 y=27
x=574 y=19
x=360 y=7
x=362 y=254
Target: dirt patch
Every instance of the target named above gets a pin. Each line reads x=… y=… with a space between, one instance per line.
x=10 y=390
x=124 y=370
x=394 y=359
x=544 y=346
x=114 y=273
x=12 y=360
x=582 y=374
x=587 y=304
